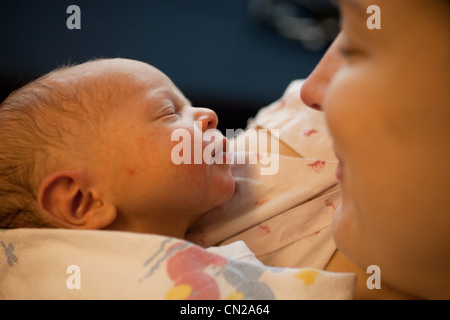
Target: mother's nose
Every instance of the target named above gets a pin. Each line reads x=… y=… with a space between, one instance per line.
x=316 y=85
x=313 y=91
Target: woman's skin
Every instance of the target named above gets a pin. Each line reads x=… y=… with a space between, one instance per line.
x=386 y=98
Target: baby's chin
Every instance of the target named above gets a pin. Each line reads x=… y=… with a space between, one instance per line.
x=225 y=193
x=231 y=189
x=232 y=185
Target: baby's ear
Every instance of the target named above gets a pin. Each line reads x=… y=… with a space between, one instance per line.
x=63 y=198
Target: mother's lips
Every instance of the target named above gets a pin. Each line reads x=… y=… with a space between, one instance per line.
x=340 y=171
x=340 y=167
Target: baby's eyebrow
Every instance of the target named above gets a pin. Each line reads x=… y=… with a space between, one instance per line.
x=182 y=99
x=174 y=94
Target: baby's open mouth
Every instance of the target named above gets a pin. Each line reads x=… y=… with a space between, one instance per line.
x=221 y=153
x=221 y=147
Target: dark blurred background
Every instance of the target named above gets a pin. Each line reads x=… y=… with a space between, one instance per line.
x=234 y=56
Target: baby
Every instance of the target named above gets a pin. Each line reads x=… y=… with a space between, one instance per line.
x=89 y=147
x=92 y=147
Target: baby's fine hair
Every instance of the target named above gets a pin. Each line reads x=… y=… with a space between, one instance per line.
x=38 y=122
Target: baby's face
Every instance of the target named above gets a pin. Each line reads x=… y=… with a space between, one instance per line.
x=136 y=170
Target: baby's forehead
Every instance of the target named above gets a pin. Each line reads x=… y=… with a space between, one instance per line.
x=103 y=88
x=128 y=71
x=130 y=75
x=125 y=83
x=108 y=78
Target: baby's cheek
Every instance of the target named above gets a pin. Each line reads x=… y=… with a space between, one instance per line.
x=130 y=172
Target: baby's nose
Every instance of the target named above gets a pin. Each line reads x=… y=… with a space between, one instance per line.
x=207 y=117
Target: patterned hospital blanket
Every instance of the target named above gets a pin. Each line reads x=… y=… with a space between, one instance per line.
x=75 y=264
x=285 y=219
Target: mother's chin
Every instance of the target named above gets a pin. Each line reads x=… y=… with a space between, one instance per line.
x=347 y=234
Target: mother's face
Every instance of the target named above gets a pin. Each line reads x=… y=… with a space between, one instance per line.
x=386 y=94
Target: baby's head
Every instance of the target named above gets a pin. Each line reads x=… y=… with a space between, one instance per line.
x=89 y=147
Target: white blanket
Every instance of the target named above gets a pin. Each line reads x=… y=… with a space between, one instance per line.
x=73 y=264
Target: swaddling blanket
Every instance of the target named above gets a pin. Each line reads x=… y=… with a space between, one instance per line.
x=75 y=264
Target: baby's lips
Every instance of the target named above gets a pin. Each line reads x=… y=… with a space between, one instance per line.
x=225 y=151
x=226 y=145
x=222 y=145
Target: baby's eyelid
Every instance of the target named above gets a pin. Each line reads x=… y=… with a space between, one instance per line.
x=168 y=110
x=171 y=109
